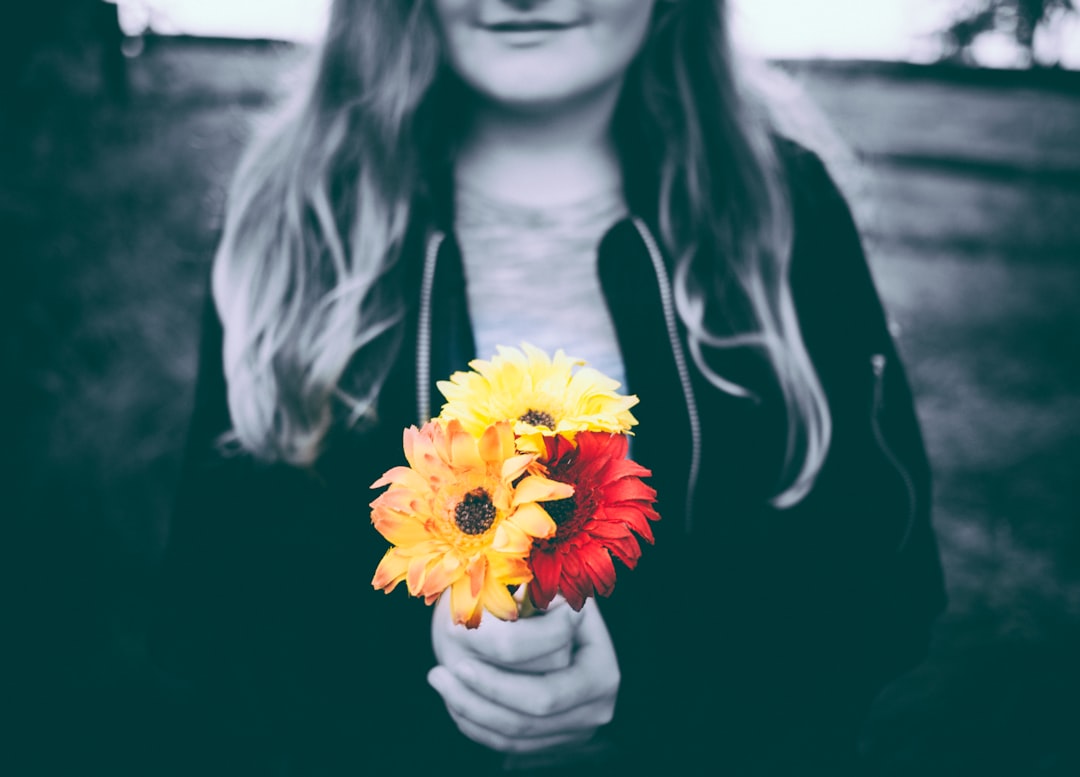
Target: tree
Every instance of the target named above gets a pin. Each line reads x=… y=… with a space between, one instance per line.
x=1019 y=18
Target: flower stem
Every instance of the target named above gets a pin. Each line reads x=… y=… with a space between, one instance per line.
x=526 y=608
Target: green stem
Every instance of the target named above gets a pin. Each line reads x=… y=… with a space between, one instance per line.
x=526 y=608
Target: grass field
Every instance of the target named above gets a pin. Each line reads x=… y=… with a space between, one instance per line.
x=970 y=197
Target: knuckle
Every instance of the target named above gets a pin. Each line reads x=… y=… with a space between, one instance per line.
x=507 y=733
x=515 y=746
x=453 y=706
x=523 y=730
x=509 y=725
x=541 y=705
x=607 y=714
x=494 y=742
x=499 y=648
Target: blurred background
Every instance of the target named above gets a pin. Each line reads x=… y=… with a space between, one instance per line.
x=954 y=126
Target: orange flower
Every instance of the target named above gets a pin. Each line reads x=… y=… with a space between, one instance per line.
x=610 y=504
x=462 y=516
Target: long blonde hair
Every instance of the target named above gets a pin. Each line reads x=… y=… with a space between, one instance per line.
x=320 y=206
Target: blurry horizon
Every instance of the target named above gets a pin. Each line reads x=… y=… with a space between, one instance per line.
x=891 y=30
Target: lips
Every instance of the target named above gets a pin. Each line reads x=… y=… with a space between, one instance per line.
x=528 y=25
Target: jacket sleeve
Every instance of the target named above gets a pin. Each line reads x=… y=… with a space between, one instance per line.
x=211 y=636
x=267 y=629
x=877 y=474
x=758 y=641
x=848 y=582
x=855 y=572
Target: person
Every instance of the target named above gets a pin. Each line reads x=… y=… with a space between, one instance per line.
x=584 y=174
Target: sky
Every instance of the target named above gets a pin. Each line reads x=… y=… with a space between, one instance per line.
x=847 y=29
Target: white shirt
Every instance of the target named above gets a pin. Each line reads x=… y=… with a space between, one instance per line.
x=531 y=275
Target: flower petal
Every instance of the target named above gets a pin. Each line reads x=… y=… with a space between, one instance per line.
x=440 y=575
x=402 y=476
x=497 y=600
x=463 y=451
x=420 y=449
x=475 y=573
x=599 y=567
x=626 y=549
x=515 y=466
x=534 y=488
x=497 y=443
x=511 y=539
x=632 y=515
x=390 y=572
x=399 y=529
x=533 y=520
x=529 y=439
x=417 y=572
x=547 y=568
x=512 y=570
x=625 y=489
x=574 y=585
x=464 y=605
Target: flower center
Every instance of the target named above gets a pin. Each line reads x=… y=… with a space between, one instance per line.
x=561 y=510
x=538 y=418
x=475 y=514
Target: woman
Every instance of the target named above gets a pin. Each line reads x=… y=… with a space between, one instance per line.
x=583 y=174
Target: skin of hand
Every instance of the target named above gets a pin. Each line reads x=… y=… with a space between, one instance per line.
x=536 y=684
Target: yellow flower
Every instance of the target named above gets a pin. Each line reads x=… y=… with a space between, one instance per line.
x=462 y=516
x=541 y=395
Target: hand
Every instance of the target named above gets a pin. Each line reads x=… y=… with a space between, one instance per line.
x=536 y=684
x=541 y=643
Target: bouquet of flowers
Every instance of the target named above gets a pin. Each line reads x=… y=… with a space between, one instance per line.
x=522 y=480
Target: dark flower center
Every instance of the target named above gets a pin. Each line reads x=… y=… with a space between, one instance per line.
x=538 y=418
x=475 y=514
x=561 y=510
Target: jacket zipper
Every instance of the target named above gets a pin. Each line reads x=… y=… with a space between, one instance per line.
x=681 y=366
x=878 y=361
x=423 y=334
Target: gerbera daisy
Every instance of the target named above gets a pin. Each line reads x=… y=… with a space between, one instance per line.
x=609 y=506
x=463 y=515
x=542 y=396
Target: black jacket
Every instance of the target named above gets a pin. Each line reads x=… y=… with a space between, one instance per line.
x=748 y=637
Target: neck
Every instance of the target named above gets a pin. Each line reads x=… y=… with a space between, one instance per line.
x=541 y=158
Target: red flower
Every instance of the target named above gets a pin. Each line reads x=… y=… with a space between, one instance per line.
x=610 y=504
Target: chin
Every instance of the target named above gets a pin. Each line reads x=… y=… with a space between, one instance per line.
x=531 y=99
x=533 y=92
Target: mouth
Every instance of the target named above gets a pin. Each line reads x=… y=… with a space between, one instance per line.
x=529 y=25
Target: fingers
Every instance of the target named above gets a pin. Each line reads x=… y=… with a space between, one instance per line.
x=525 y=641
x=511 y=744
x=509 y=730
x=552 y=662
x=539 y=643
x=518 y=710
x=592 y=675
x=594 y=641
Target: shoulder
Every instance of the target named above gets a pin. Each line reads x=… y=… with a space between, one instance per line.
x=831 y=281
x=809 y=180
x=823 y=226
